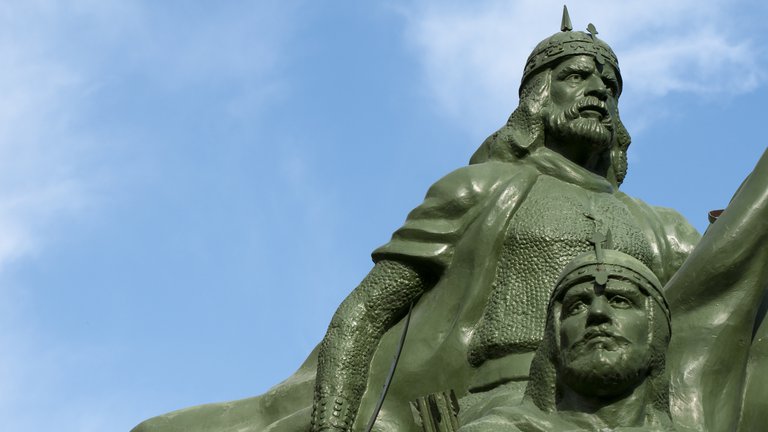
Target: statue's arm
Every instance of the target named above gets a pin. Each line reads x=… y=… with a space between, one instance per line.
x=714 y=300
x=378 y=303
x=727 y=268
x=406 y=267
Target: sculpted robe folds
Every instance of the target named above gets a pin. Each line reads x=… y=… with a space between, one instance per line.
x=482 y=228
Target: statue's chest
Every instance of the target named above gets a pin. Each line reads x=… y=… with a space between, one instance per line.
x=553 y=225
x=558 y=220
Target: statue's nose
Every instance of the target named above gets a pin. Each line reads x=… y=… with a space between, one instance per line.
x=599 y=311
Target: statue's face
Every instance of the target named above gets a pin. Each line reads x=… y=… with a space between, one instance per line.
x=583 y=102
x=604 y=337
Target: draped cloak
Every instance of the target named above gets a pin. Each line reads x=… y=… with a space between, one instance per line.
x=458 y=232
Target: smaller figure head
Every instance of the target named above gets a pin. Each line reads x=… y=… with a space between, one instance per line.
x=604 y=337
x=607 y=332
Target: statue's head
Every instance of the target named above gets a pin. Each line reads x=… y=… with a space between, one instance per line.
x=607 y=332
x=569 y=94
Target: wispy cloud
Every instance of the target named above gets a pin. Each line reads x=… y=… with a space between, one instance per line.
x=57 y=58
x=473 y=53
x=42 y=179
x=39 y=146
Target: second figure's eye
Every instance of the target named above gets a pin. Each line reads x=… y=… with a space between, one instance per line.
x=575 y=308
x=620 y=302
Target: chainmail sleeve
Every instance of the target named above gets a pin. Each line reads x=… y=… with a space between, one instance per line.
x=380 y=301
x=407 y=266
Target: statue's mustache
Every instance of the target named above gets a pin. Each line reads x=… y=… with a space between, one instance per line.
x=592 y=103
x=613 y=339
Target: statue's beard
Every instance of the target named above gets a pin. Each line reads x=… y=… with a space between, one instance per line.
x=606 y=371
x=570 y=126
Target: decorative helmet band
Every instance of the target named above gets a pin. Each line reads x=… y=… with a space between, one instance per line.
x=568 y=43
x=601 y=265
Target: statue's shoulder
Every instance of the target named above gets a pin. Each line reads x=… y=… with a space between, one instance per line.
x=452 y=204
x=666 y=219
x=475 y=181
x=676 y=236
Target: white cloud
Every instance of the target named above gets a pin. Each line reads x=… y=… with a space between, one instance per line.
x=41 y=178
x=473 y=53
x=55 y=58
x=39 y=96
x=700 y=62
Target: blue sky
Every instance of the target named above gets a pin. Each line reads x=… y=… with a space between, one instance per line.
x=189 y=189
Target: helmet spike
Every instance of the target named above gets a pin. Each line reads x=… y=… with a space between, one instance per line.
x=566 y=23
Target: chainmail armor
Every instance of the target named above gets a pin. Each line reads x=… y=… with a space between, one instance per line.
x=549 y=230
x=381 y=299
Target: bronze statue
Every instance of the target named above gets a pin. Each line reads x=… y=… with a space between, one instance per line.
x=476 y=262
x=483 y=251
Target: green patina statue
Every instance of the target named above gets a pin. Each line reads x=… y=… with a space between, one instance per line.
x=470 y=272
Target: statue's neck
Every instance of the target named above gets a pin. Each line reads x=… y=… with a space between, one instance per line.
x=584 y=155
x=629 y=410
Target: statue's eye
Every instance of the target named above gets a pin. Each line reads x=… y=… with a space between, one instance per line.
x=620 y=302
x=612 y=87
x=575 y=307
x=574 y=78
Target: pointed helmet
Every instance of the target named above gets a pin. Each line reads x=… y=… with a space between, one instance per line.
x=568 y=43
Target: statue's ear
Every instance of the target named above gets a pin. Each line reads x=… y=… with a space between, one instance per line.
x=523 y=133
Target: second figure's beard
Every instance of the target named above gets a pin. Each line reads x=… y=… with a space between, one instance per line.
x=604 y=373
x=569 y=125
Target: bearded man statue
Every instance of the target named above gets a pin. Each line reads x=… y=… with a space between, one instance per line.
x=475 y=263
x=601 y=365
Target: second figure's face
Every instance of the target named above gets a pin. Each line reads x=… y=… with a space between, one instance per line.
x=604 y=336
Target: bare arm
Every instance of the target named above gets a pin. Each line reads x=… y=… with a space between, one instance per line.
x=378 y=303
